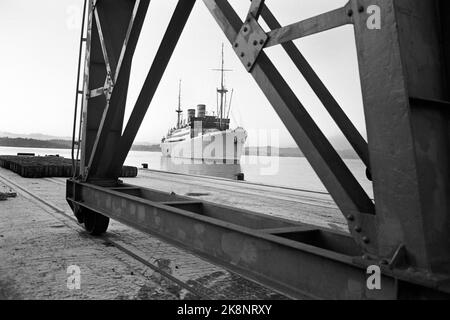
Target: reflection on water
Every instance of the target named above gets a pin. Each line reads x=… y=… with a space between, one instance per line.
x=288 y=172
x=199 y=167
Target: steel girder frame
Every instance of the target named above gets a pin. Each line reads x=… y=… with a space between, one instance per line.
x=113 y=32
x=406 y=231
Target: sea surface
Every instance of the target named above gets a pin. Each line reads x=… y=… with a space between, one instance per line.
x=280 y=171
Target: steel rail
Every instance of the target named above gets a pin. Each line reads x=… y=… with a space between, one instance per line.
x=134 y=255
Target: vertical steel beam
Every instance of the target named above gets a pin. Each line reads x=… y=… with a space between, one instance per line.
x=409 y=157
x=94 y=76
x=162 y=58
x=77 y=90
x=444 y=6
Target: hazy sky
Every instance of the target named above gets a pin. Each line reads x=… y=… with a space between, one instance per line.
x=39 y=52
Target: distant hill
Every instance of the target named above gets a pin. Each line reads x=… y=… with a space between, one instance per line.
x=58 y=144
x=35 y=136
x=272 y=151
x=33 y=143
x=292 y=152
x=146 y=147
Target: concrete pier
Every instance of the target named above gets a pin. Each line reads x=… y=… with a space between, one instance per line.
x=40 y=239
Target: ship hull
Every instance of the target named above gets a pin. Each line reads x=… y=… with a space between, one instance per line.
x=221 y=146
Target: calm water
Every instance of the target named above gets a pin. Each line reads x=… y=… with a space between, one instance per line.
x=288 y=172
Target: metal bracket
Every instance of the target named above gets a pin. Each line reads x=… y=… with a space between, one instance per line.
x=250 y=42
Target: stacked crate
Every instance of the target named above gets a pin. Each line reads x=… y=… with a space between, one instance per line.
x=48 y=166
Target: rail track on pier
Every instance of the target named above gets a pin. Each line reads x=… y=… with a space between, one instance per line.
x=205 y=284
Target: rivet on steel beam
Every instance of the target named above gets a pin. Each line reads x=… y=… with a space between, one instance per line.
x=361 y=9
x=350 y=12
x=255 y=43
x=358 y=229
x=365 y=240
x=245 y=29
x=242 y=54
x=249 y=64
x=350 y=217
x=261 y=41
x=236 y=45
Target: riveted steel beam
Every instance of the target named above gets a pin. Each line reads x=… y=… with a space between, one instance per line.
x=298 y=260
x=255 y=8
x=108 y=58
x=408 y=142
x=323 y=22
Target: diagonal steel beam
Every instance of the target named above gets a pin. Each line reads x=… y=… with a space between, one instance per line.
x=256 y=7
x=118 y=95
x=323 y=22
x=127 y=38
x=337 y=178
x=162 y=58
x=324 y=95
x=108 y=55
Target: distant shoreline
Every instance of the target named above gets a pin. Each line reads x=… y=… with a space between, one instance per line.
x=57 y=144
x=66 y=144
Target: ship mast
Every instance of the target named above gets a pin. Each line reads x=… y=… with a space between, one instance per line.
x=179 y=111
x=222 y=91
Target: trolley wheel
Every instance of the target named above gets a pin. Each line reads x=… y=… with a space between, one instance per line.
x=95 y=223
x=78 y=212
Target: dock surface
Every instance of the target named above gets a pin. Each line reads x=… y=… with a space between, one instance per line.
x=306 y=206
x=40 y=239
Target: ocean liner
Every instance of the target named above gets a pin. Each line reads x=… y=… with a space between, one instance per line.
x=202 y=136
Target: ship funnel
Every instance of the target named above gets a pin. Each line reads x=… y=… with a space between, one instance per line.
x=201 y=111
x=191 y=114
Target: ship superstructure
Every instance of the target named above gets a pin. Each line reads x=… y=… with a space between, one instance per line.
x=206 y=136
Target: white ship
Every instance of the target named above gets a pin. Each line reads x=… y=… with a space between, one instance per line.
x=205 y=137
